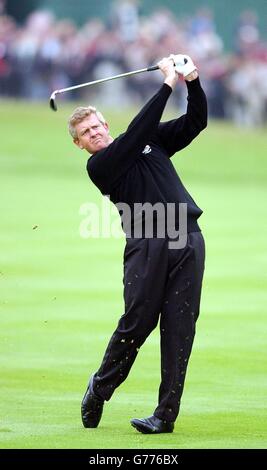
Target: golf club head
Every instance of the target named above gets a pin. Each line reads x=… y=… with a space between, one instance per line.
x=52 y=101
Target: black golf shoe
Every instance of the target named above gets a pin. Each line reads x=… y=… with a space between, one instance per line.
x=92 y=407
x=152 y=425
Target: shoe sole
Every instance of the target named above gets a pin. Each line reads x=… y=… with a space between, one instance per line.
x=145 y=430
x=141 y=429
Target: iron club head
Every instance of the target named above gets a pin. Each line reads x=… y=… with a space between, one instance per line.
x=52 y=101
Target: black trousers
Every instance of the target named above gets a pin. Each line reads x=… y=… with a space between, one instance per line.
x=158 y=283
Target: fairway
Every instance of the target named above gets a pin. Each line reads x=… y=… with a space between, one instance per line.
x=61 y=295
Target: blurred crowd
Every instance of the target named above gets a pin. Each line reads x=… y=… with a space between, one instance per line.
x=46 y=54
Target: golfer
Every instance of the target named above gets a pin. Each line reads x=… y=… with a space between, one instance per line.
x=160 y=281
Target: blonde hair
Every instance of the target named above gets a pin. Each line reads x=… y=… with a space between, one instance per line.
x=79 y=114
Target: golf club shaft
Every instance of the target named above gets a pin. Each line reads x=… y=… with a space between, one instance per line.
x=102 y=80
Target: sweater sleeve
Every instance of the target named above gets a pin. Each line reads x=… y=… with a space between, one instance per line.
x=178 y=133
x=108 y=165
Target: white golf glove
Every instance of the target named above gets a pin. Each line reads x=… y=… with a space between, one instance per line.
x=183 y=64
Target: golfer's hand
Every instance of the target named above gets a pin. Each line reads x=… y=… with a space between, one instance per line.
x=167 y=68
x=185 y=66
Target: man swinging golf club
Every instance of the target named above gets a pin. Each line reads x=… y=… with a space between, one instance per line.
x=159 y=282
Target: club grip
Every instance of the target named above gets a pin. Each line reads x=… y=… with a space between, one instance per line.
x=153 y=67
x=156 y=67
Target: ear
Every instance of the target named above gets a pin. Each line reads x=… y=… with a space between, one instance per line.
x=76 y=142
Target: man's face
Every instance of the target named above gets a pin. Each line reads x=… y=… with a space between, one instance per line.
x=92 y=135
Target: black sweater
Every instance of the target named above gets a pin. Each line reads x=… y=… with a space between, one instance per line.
x=128 y=174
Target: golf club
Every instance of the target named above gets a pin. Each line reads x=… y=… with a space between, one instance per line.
x=52 y=101
x=102 y=80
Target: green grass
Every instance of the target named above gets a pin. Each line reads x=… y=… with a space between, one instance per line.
x=61 y=295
